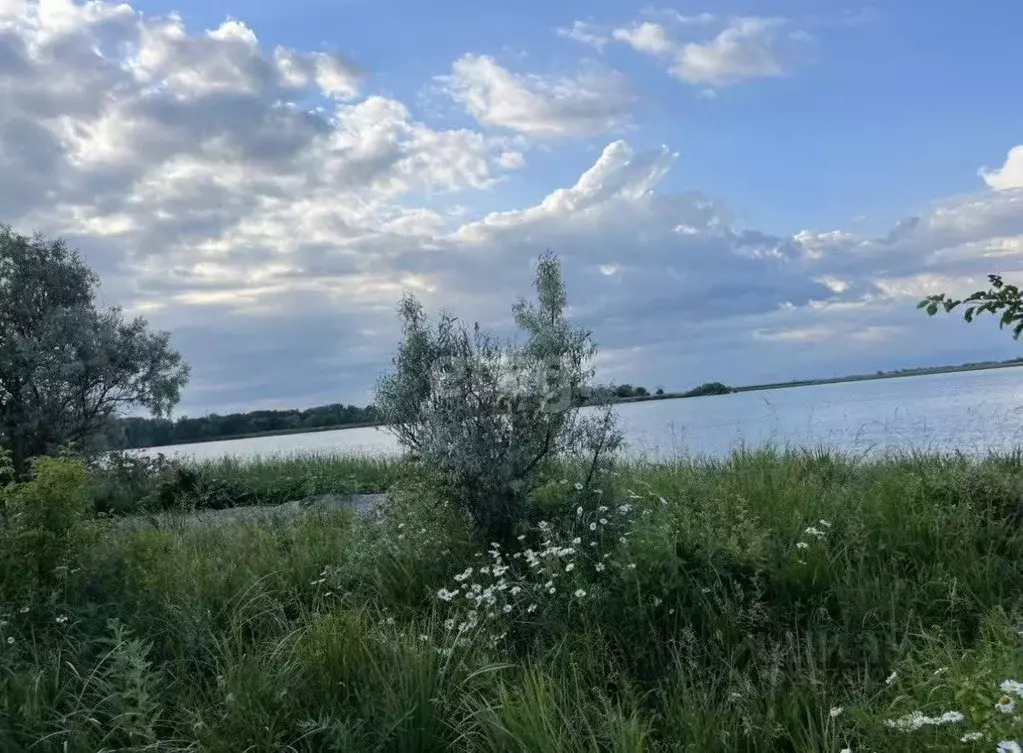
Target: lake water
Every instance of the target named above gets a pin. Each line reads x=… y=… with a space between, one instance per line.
x=975 y=412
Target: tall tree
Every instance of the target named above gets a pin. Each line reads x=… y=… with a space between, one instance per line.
x=67 y=367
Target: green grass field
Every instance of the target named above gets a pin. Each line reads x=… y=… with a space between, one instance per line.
x=795 y=601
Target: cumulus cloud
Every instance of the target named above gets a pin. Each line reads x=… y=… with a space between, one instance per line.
x=1009 y=175
x=585 y=33
x=270 y=210
x=591 y=102
x=747 y=48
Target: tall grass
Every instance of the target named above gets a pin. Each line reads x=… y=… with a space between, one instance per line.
x=773 y=601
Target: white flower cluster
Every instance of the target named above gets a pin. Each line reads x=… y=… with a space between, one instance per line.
x=519 y=584
x=815 y=532
x=916 y=720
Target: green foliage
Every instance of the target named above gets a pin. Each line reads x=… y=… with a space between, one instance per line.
x=695 y=620
x=492 y=416
x=67 y=366
x=1001 y=299
x=135 y=432
x=126 y=484
x=44 y=528
x=709 y=388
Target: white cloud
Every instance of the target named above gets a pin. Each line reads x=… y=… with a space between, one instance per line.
x=591 y=102
x=274 y=239
x=585 y=33
x=647 y=37
x=1009 y=175
x=745 y=50
x=748 y=48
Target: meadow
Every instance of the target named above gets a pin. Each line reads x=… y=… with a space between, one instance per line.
x=774 y=601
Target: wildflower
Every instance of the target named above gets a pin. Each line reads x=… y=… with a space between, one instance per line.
x=531 y=608
x=593 y=526
x=1009 y=746
x=603 y=521
x=390 y=620
x=940 y=671
x=815 y=532
x=564 y=481
x=632 y=565
x=1005 y=704
x=578 y=486
x=10 y=640
x=61 y=620
x=515 y=590
x=971 y=737
x=917 y=719
x=506 y=608
x=400 y=526
x=835 y=712
x=463 y=575
x=891 y=678
x=521 y=537
x=579 y=511
x=801 y=545
x=552 y=590
x=824 y=523
x=449 y=623
x=23 y=610
x=663 y=500
x=621 y=540
x=579 y=593
x=599 y=567
x=1013 y=686
x=446 y=595
x=846 y=750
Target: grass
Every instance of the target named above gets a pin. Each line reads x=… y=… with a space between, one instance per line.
x=773 y=601
x=132 y=486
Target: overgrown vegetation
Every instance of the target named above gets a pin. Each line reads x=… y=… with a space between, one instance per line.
x=68 y=366
x=773 y=601
x=492 y=417
x=127 y=484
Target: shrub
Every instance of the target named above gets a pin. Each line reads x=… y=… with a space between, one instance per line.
x=493 y=417
x=44 y=524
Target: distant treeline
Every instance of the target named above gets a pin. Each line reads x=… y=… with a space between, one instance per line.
x=131 y=433
x=157 y=432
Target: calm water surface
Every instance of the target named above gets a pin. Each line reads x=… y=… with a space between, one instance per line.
x=974 y=412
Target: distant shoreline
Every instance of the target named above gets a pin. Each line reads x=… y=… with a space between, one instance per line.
x=640 y=399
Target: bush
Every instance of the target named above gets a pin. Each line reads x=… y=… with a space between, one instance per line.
x=491 y=417
x=44 y=525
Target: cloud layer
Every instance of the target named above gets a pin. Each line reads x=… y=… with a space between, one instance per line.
x=269 y=207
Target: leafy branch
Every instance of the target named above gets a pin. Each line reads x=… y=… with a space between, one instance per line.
x=1000 y=298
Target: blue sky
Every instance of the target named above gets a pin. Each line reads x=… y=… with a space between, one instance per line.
x=273 y=242
x=917 y=91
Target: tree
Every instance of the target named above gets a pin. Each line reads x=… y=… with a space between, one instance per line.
x=999 y=298
x=491 y=416
x=67 y=367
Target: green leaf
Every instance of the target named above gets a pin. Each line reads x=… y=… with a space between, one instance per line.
x=932 y=309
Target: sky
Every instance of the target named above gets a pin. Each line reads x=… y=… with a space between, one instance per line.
x=737 y=191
